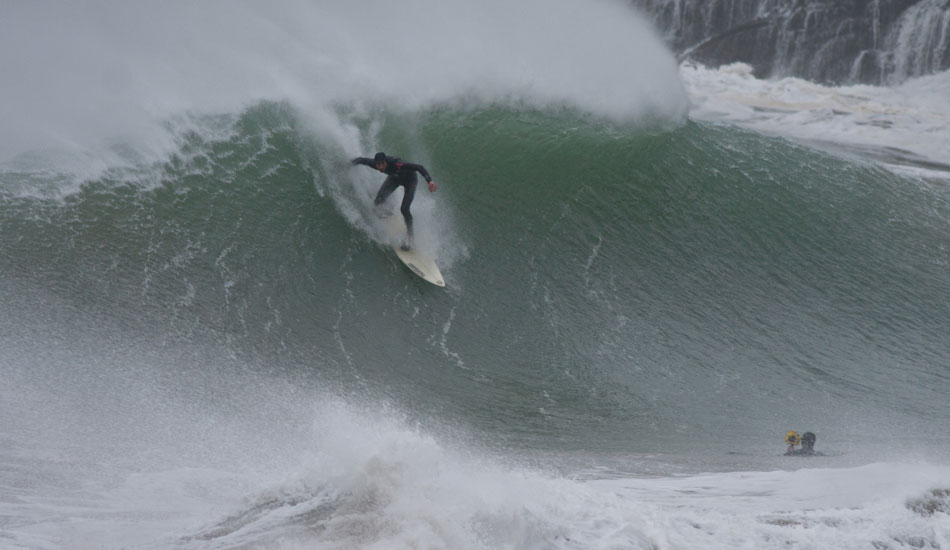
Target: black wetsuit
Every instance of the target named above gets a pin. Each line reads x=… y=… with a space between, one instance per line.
x=808 y=447
x=399 y=173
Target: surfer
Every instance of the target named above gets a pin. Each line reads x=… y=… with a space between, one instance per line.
x=398 y=173
x=807 y=441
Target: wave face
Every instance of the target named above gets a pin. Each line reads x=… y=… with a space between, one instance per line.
x=609 y=288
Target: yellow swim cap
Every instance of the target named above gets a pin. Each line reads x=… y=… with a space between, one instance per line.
x=792 y=438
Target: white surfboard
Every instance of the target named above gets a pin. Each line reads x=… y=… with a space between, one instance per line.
x=415 y=259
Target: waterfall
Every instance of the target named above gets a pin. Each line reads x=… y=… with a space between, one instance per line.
x=921 y=40
x=831 y=41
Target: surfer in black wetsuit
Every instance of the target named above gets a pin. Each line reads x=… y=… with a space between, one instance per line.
x=398 y=173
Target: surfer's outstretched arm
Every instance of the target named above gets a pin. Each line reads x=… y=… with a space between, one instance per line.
x=422 y=170
x=418 y=168
x=364 y=161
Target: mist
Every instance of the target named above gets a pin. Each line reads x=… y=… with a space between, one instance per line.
x=81 y=78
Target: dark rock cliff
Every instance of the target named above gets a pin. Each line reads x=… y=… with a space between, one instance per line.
x=830 y=41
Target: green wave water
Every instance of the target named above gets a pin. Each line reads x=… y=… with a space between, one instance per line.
x=610 y=289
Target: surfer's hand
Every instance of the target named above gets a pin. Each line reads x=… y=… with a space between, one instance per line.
x=432 y=187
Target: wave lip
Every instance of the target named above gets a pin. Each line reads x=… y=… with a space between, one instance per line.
x=112 y=74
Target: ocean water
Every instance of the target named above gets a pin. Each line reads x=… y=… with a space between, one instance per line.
x=653 y=272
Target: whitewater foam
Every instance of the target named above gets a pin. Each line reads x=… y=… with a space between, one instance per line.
x=373 y=479
x=906 y=127
x=122 y=443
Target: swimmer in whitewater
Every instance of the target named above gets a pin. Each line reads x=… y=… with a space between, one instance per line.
x=806 y=440
x=398 y=174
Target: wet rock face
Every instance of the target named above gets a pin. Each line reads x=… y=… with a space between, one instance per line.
x=830 y=41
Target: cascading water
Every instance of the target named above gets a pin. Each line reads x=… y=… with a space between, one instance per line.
x=867 y=41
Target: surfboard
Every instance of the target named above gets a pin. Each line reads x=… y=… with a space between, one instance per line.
x=418 y=261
